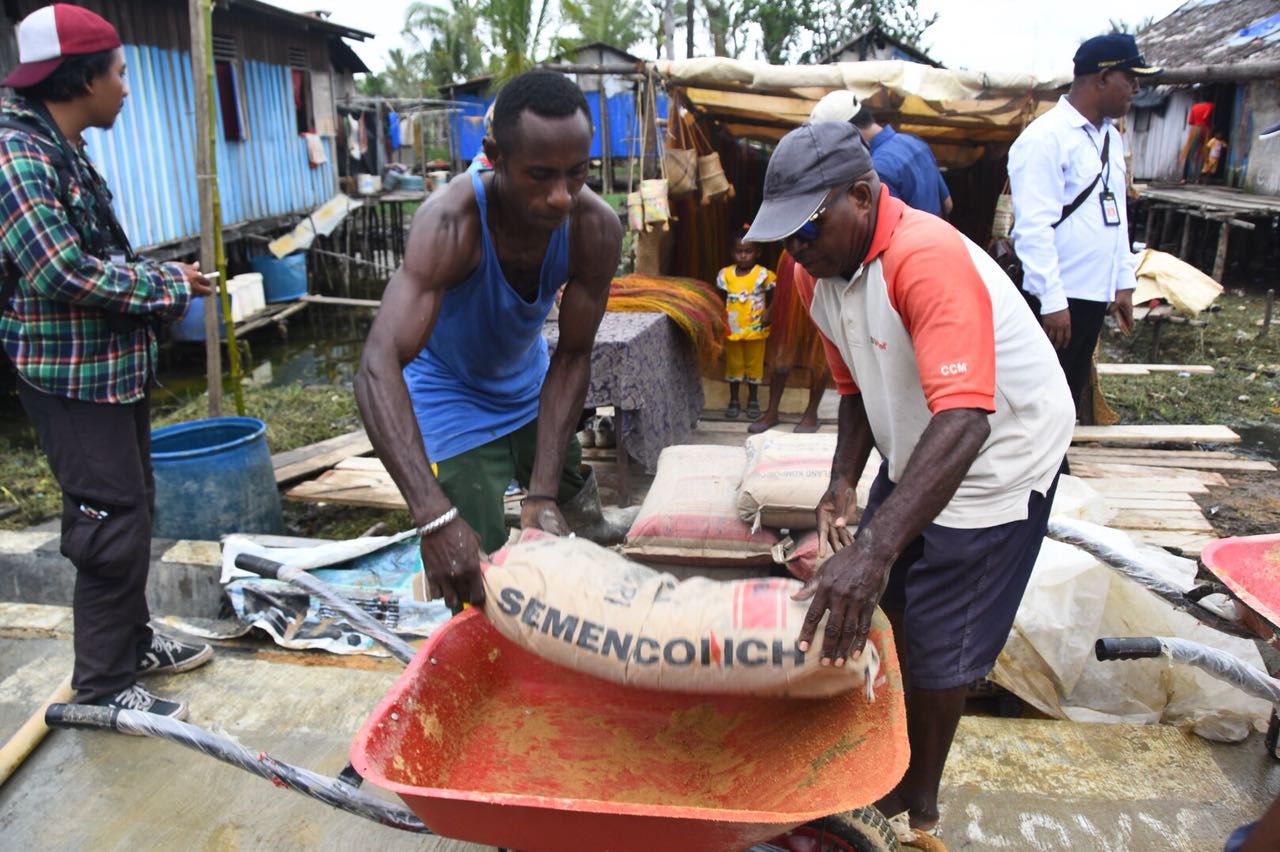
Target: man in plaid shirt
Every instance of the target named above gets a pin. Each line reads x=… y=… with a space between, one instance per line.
x=78 y=320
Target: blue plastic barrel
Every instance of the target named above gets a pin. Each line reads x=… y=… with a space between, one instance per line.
x=214 y=477
x=283 y=278
x=191 y=326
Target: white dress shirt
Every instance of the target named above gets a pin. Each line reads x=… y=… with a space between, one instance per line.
x=1055 y=158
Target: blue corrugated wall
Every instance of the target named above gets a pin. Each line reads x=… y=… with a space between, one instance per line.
x=149 y=159
x=468 y=124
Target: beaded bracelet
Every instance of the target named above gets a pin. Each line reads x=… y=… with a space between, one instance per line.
x=431 y=526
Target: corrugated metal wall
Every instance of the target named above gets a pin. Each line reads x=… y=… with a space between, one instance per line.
x=1156 y=138
x=1262 y=166
x=149 y=156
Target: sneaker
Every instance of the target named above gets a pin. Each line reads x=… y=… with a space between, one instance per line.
x=168 y=656
x=137 y=698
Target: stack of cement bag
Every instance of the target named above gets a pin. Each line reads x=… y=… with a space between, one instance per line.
x=739 y=508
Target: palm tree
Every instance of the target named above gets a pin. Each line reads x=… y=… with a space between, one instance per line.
x=446 y=38
x=516 y=30
x=619 y=23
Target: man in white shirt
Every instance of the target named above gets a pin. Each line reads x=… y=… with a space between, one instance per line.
x=1071 y=230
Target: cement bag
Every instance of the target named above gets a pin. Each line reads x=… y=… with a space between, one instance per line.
x=800 y=555
x=585 y=607
x=690 y=516
x=1072 y=600
x=786 y=475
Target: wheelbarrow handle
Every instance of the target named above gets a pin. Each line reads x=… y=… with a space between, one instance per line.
x=259 y=565
x=1127 y=648
x=1204 y=590
x=85 y=716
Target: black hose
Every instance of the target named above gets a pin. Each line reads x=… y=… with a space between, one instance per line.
x=331 y=791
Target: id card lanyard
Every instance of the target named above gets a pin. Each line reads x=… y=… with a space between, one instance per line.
x=1110 y=206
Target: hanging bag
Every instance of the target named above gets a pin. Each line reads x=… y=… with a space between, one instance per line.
x=680 y=160
x=711 y=175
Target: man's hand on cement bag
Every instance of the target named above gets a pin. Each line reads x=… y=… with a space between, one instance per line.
x=451 y=557
x=849 y=584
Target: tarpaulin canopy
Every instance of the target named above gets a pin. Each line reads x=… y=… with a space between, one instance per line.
x=957 y=112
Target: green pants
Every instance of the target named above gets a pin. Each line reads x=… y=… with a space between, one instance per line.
x=476 y=480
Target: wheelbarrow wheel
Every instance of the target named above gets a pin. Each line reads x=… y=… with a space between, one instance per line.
x=861 y=830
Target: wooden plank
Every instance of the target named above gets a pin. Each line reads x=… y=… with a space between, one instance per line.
x=1138 y=485
x=302 y=462
x=349 y=488
x=1157 y=434
x=370 y=464
x=1093 y=470
x=1141 y=519
x=1088 y=457
x=1128 y=453
x=1170 y=502
x=1188 y=543
x=1148 y=369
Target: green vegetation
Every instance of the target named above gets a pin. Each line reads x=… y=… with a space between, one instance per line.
x=1243 y=389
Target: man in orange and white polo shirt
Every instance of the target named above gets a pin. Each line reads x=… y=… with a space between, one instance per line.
x=940 y=367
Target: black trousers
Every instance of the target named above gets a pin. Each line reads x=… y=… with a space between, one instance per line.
x=1077 y=358
x=101 y=456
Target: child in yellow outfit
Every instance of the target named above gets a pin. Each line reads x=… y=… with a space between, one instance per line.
x=748 y=292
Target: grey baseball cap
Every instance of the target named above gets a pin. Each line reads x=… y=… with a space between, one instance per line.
x=806 y=165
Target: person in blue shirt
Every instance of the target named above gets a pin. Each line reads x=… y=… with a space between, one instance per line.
x=455 y=387
x=904 y=162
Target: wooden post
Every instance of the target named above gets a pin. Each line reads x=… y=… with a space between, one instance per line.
x=606 y=155
x=1220 y=259
x=1152 y=241
x=1266 y=319
x=1186 y=236
x=204 y=183
x=1166 y=231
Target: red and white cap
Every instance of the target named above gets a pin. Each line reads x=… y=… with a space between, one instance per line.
x=52 y=33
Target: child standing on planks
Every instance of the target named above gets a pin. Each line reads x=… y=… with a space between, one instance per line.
x=748 y=293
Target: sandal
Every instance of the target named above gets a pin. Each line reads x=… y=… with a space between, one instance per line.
x=733 y=411
x=753 y=410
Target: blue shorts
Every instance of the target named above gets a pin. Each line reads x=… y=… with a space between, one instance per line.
x=958 y=590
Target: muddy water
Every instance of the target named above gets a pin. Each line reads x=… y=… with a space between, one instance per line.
x=1262 y=439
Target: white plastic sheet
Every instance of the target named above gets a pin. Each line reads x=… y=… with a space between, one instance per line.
x=1072 y=600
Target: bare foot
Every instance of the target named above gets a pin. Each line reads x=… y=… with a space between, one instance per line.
x=893 y=804
x=767 y=421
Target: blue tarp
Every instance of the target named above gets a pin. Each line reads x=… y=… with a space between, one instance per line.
x=468 y=125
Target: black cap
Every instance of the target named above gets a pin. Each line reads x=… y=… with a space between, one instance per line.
x=1112 y=52
x=807 y=164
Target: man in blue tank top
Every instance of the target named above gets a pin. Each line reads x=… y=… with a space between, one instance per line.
x=455 y=371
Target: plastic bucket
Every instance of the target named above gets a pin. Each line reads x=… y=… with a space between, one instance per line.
x=214 y=477
x=283 y=278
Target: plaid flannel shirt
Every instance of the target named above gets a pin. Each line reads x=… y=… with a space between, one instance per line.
x=55 y=327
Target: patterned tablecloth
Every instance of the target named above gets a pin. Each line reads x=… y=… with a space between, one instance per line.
x=645 y=367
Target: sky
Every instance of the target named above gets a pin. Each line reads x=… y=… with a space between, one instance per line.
x=1039 y=36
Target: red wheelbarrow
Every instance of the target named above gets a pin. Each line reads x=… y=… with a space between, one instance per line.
x=489 y=743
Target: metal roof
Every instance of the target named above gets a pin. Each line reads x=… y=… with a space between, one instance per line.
x=1214 y=32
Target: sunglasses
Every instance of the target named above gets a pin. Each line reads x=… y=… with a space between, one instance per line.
x=808 y=232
